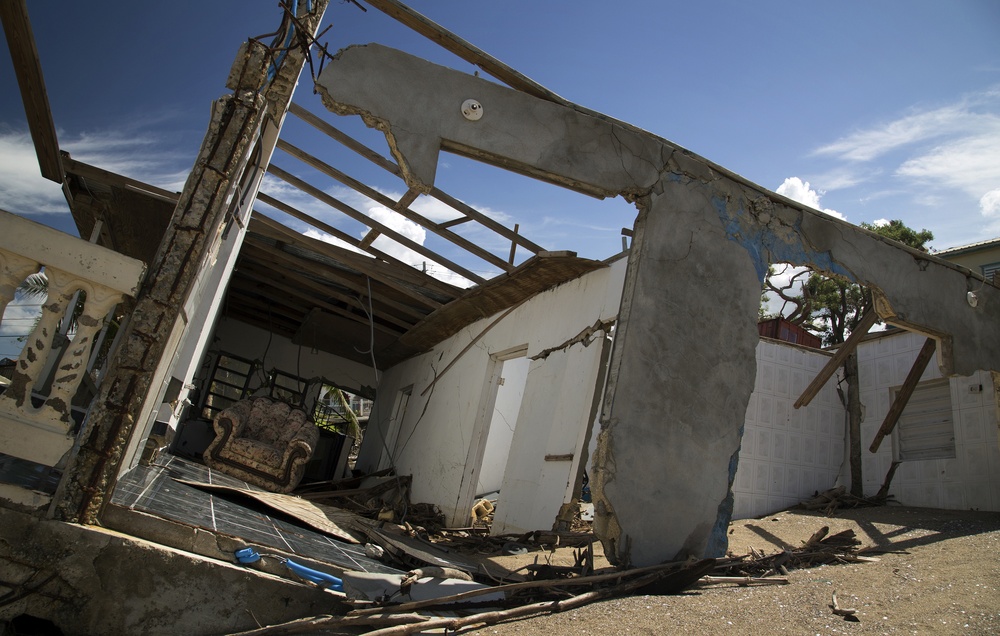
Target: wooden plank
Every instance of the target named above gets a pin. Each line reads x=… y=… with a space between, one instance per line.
x=28 y=70
x=345 y=139
x=88 y=171
x=380 y=198
x=369 y=238
x=837 y=360
x=283 y=291
x=374 y=269
x=400 y=270
x=408 y=198
x=513 y=246
x=381 y=302
x=453 y=222
x=326 y=519
x=468 y=212
x=433 y=31
x=360 y=217
x=912 y=379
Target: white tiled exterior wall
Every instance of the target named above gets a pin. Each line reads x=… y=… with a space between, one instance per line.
x=972 y=478
x=787 y=454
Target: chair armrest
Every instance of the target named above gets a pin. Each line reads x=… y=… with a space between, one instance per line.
x=232 y=421
x=297 y=447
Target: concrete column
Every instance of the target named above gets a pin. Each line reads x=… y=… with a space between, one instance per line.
x=682 y=371
x=262 y=87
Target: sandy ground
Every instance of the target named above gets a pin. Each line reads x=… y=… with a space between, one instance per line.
x=939 y=574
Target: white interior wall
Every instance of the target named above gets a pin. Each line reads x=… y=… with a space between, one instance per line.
x=552 y=418
x=277 y=352
x=438 y=427
x=787 y=454
x=972 y=478
x=502 y=424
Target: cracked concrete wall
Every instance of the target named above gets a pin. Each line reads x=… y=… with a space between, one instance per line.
x=703 y=241
x=437 y=432
x=92 y=581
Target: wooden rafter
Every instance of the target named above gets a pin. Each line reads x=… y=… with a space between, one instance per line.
x=400 y=207
x=377 y=271
x=321 y=295
x=381 y=300
x=472 y=54
x=28 y=69
x=364 y=219
x=400 y=270
x=468 y=212
x=282 y=292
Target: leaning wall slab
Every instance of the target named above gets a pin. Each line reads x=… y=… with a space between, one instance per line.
x=683 y=367
x=92 y=581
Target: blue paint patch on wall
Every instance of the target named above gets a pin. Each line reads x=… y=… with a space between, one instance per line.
x=765 y=247
x=718 y=539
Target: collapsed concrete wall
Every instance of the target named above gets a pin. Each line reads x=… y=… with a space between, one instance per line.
x=432 y=421
x=92 y=581
x=683 y=367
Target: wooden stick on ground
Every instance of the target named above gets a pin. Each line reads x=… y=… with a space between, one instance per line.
x=583 y=580
x=491 y=618
x=842 y=611
x=743 y=581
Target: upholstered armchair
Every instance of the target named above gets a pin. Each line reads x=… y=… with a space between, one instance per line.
x=263 y=442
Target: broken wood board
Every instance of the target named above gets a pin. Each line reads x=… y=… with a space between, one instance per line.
x=426 y=552
x=325 y=519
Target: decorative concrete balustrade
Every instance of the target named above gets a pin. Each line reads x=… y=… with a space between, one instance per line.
x=33 y=425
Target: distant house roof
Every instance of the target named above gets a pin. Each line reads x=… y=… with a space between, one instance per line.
x=971 y=247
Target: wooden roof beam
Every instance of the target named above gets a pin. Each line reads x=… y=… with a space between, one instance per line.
x=467 y=211
x=401 y=207
x=360 y=217
x=381 y=302
x=282 y=292
x=367 y=266
x=28 y=70
x=401 y=271
x=463 y=49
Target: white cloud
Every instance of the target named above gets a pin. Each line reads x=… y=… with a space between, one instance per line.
x=23 y=190
x=866 y=145
x=799 y=190
x=989 y=204
x=950 y=156
x=880 y=222
x=130 y=152
x=970 y=164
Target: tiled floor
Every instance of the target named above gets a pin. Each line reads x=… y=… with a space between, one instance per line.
x=152 y=489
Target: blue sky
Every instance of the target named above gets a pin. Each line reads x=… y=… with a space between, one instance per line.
x=869 y=110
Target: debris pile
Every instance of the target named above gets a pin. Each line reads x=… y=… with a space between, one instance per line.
x=822 y=548
x=830 y=500
x=449 y=586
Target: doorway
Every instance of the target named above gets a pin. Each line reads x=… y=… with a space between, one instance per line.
x=506 y=378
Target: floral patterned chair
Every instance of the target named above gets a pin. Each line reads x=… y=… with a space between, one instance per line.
x=264 y=442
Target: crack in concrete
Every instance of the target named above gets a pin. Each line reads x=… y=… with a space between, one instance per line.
x=584 y=337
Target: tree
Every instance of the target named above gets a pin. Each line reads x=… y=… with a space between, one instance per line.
x=832 y=306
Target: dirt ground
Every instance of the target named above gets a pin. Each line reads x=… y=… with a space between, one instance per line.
x=938 y=573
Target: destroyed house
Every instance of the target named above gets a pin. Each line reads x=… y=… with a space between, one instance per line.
x=630 y=371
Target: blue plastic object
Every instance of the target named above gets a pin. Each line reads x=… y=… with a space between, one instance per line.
x=249 y=555
x=319 y=578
